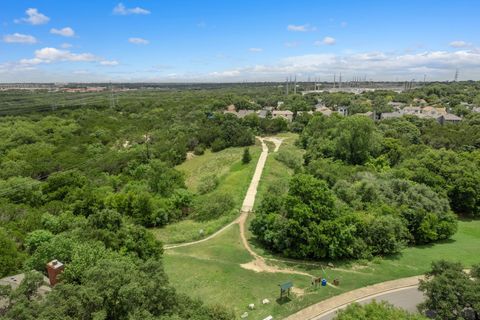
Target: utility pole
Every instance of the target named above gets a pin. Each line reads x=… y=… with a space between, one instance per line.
x=340 y=80
x=334 y=80
x=112 y=98
x=295 y=86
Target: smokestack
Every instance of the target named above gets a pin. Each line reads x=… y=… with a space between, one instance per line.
x=54 y=268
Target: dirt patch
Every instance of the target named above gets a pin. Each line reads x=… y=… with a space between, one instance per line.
x=298 y=291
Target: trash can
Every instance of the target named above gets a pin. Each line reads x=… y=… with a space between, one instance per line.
x=324 y=282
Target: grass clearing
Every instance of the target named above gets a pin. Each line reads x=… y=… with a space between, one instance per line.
x=211 y=270
x=234 y=178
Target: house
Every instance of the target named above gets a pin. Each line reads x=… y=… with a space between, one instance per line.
x=323 y=110
x=15 y=281
x=231 y=108
x=396 y=105
x=449 y=118
x=412 y=110
x=433 y=111
x=262 y=113
x=391 y=115
x=342 y=110
x=285 y=114
x=366 y=114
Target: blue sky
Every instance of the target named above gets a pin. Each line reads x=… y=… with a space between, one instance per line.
x=233 y=40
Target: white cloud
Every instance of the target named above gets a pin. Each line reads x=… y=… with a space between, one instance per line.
x=19 y=38
x=120 y=9
x=439 y=65
x=65 y=32
x=66 y=45
x=53 y=55
x=34 y=17
x=459 y=44
x=300 y=28
x=109 y=63
x=138 y=41
x=255 y=49
x=329 y=41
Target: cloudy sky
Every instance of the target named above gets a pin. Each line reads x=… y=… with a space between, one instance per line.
x=238 y=40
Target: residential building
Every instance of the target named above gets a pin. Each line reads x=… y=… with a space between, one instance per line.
x=342 y=110
x=285 y=114
x=449 y=118
x=324 y=110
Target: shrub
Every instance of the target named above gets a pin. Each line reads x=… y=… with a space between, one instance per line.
x=199 y=150
x=208 y=184
x=218 y=145
x=290 y=159
x=213 y=206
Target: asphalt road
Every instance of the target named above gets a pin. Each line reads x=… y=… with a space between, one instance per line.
x=406 y=298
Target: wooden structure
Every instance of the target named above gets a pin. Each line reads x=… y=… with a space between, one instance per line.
x=285 y=289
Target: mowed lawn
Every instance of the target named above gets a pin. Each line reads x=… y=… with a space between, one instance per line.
x=211 y=271
x=234 y=179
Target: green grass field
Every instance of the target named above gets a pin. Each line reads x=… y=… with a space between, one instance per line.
x=234 y=179
x=212 y=271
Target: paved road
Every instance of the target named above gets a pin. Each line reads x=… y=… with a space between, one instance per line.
x=406 y=298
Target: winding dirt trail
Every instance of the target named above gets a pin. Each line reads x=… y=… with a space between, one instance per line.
x=258 y=264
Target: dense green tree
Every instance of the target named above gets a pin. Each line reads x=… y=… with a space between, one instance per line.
x=10 y=257
x=246 y=157
x=356 y=140
x=450 y=291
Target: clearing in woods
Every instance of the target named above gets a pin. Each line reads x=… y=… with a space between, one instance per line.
x=220 y=269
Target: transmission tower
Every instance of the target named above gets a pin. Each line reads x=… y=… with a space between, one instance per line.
x=295 y=85
x=456 y=75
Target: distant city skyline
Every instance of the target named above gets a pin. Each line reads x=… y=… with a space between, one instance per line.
x=234 y=41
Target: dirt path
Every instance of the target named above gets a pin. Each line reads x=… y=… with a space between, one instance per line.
x=258 y=264
x=249 y=197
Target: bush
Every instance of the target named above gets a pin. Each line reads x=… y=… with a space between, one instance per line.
x=213 y=206
x=290 y=159
x=199 y=150
x=207 y=184
x=218 y=145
